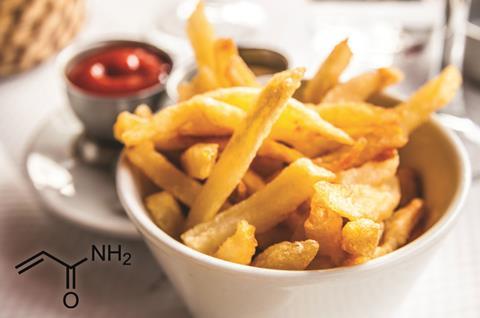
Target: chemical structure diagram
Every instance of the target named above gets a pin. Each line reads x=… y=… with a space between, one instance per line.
x=71 y=298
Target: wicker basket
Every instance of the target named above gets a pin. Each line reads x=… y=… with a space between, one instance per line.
x=33 y=30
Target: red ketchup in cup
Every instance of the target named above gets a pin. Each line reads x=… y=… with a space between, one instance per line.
x=118 y=71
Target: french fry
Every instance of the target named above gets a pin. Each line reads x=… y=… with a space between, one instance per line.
x=224 y=50
x=276 y=150
x=361 y=237
x=164 y=174
x=320 y=262
x=165 y=212
x=355 y=118
x=239 y=74
x=357 y=201
x=328 y=74
x=360 y=88
x=432 y=96
x=131 y=129
x=264 y=209
x=143 y=111
x=253 y=181
x=199 y=159
x=399 y=226
x=325 y=227
x=240 y=247
x=299 y=125
x=367 y=148
x=202 y=37
x=243 y=146
x=240 y=193
x=287 y=255
x=373 y=172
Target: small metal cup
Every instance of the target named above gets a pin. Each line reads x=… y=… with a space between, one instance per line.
x=263 y=62
x=98 y=113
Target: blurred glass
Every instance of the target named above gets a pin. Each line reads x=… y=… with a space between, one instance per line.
x=413 y=35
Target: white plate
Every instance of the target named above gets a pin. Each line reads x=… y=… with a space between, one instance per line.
x=80 y=193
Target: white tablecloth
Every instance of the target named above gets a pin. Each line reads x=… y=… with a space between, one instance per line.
x=450 y=287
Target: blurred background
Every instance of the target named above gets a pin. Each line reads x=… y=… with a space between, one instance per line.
x=418 y=36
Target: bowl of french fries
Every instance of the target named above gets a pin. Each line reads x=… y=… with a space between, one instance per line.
x=297 y=198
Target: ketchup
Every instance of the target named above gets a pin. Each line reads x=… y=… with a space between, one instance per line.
x=119 y=71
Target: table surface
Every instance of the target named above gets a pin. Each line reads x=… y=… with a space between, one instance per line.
x=449 y=287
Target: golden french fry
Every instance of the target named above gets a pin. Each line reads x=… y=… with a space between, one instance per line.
x=131 y=129
x=240 y=247
x=432 y=96
x=205 y=80
x=276 y=150
x=325 y=227
x=202 y=37
x=264 y=209
x=224 y=50
x=287 y=255
x=186 y=90
x=240 y=193
x=357 y=201
x=399 y=226
x=239 y=74
x=164 y=174
x=143 y=111
x=328 y=74
x=243 y=146
x=410 y=186
x=253 y=181
x=360 y=88
x=199 y=159
x=373 y=172
x=361 y=237
x=381 y=140
x=357 y=119
x=352 y=260
x=299 y=125
x=165 y=212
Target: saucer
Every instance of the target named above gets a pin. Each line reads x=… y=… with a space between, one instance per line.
x=73 y=189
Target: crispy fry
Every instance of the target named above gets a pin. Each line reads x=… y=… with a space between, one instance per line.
x=276 y=150
x=240 y=247
x=361 y=237
x=356 y=201
x=357 y=119
x=165 y=212
x=432 y=96
x=164 y=174
x=199 y=159
x=328 y=74
x=240 y=74
x=287 y=255
x=264 y=209
x=373 y=172
x=224 y=50
x=360 y=88
x=299 y=125
x=240 y=193
x=131 y=129
x=325 y=227
x=367 y=148
x=143 y=111
x=399 y=226
x=201 y=35
x=243 y=146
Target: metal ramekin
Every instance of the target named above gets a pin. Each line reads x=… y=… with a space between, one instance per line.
x=98 y=113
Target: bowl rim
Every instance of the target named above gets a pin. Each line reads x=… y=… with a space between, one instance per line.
x=142 y=221
x=75 y=50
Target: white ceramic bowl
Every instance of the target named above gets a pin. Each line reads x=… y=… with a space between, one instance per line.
x=213 y=288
